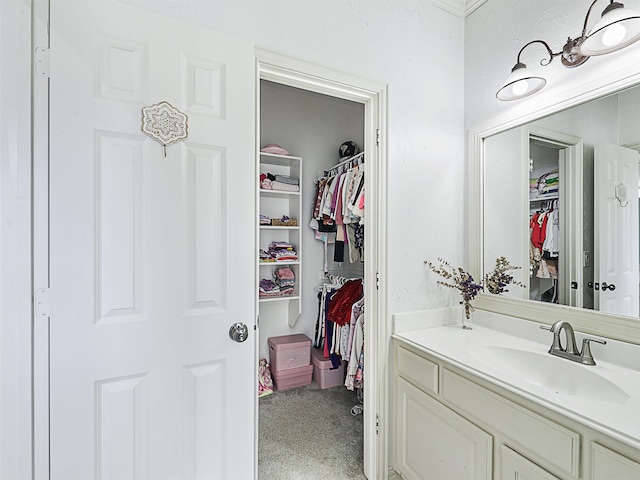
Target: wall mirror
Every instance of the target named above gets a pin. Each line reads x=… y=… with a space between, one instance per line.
x=559 y=197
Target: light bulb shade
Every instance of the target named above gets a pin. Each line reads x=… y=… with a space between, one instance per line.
x=619 y=27
x=521 y=83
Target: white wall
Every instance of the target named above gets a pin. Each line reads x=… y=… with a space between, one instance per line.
x=415 y=48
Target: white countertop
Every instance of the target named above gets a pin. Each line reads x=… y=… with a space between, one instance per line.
x=619 y=419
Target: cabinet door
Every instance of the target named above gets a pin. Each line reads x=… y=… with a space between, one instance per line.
x=433 y=442
x=517 y=467
x=607 y=465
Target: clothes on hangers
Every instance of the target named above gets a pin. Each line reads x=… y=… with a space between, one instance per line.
x=339 y=326
x=338 y=210
x=544 y=245
x=355 y=368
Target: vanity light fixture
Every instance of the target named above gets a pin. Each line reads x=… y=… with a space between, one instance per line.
x=619 y=27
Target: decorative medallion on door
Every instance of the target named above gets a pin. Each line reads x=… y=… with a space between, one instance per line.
x=621 y=194
x=164 y=123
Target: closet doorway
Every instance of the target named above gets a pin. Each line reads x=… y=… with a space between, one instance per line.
x=556 y=188
x=310 y=111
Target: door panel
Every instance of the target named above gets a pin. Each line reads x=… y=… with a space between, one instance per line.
x=151 y=256
x=616 y=227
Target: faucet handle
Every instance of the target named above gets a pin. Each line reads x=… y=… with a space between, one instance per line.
x=545 y=327
x=586 y=356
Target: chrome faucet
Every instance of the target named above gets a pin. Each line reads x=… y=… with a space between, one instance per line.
x=569 y=349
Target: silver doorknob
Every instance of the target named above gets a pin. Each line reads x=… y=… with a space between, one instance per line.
x=238 y=332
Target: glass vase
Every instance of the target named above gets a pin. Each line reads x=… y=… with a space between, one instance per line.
x=467 y=317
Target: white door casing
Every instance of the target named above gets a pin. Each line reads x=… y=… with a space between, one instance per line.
x=616 y=230
x=300 y=74
x=151 y=257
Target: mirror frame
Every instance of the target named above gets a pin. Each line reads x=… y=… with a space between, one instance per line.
x=626 y=329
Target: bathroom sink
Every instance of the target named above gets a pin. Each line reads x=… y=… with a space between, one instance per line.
x=552 y=373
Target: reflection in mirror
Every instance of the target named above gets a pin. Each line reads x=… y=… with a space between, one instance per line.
x=544 y=221
x=561 y=201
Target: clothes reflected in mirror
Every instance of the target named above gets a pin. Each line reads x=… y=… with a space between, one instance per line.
x=544 y=248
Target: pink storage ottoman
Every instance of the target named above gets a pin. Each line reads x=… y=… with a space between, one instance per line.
x=323 y=372
x=293 y=377
x=289 y=351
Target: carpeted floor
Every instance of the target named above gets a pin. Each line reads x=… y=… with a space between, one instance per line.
x=309 y=434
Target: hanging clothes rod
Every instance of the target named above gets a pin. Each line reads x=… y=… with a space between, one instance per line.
x=345 y=162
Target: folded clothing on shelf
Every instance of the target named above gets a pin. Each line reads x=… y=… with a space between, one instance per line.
x=283 y=251
x=283 y=283
x=283 y=183
x=279 y=252
x=265 y=257
x=268 y=288
x=285 y=279
x=287 y=179
x=264 y=220
x=545 y=184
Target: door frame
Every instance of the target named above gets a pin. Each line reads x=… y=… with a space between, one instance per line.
x=40 y=242
x=16 y=255
x=373 y=95
x=571 y=201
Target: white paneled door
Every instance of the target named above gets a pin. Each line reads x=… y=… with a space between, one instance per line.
x=151 y=256
x=616 y=227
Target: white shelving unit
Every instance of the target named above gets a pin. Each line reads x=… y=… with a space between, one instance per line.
x=275 y=204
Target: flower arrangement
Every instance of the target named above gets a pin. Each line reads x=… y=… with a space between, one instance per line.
x=496 y=281
x=459 y=279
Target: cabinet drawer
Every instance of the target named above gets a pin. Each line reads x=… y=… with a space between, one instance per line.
x=540 y=438
x=417 y=370
x=516 y=466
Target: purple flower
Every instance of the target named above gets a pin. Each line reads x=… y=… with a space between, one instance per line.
x=459 y=279
x=497 y=280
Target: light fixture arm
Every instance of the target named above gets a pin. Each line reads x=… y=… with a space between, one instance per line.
x=586 y=19
x=544 y=62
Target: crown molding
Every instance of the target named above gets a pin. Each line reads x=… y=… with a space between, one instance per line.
x=461 y=8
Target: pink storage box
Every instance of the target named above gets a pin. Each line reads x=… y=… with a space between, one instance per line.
x=293 y=377
x=289 y=351
x=323 y=372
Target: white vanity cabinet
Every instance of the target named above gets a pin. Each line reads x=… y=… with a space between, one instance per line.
x=432 y=441
x=451 y=424
x=435 y=442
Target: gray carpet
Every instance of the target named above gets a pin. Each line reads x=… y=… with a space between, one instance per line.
x=309 y=434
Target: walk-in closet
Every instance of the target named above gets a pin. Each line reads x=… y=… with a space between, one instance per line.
x=311 y=261
x=544 y=222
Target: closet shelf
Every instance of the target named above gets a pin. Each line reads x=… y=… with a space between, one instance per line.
x=545 y=197
x=278 y=204
x=291 y=262
x=275 y=159
x=278 y=193
x=283 y=298
x=277 y=227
